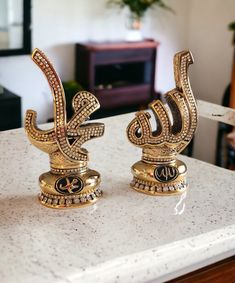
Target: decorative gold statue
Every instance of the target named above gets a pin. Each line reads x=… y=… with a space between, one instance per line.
x=70 y=182
x=159 y=172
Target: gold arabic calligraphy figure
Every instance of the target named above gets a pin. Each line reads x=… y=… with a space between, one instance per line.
x=159 y=172
x=68 y=160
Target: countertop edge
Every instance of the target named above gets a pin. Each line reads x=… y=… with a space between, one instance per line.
x=165 y=262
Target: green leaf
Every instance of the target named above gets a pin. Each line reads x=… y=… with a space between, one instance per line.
x=232 y=26
x=139 y=7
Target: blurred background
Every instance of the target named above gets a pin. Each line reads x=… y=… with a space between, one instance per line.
x=121 y=54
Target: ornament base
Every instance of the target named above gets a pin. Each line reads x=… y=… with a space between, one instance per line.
x=69 y=190
x=159 y=179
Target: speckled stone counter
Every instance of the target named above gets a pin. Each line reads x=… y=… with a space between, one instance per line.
x=124 y=237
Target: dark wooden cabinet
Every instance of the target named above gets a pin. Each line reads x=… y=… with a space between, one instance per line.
x=119 y=74
x=10 y=111
x=219 y=272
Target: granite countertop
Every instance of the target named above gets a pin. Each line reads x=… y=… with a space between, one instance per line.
x=126 y=236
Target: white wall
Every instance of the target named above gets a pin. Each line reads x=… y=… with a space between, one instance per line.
x=200 y=25
x=171 y=31
x=211 y=43
x=56 y=26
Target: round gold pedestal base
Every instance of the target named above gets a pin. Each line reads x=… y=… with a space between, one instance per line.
x=74 y=200
x=70 y=190
x=159 y=179
x=156 y=189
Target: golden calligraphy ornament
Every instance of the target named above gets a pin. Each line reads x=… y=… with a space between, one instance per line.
x=159 y=172
x=69 y=183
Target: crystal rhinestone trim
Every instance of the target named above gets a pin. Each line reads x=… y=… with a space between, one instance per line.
x=64 y=201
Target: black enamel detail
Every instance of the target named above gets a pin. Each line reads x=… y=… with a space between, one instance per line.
x=166 y=173
x=69 y=185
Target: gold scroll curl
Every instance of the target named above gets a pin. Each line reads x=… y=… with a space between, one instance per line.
x=173 y=132
x=65 y=136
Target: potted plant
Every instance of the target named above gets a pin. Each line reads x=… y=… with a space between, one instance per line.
x=137 y=9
